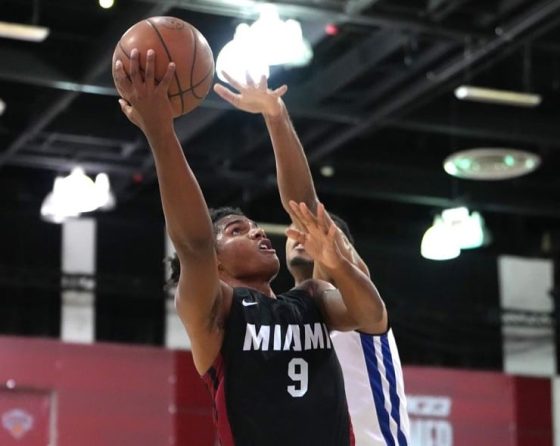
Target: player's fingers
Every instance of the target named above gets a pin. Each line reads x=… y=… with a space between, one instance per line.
x=122 y=79
x=249 y=80
x=280 y=91
x=134 y=64
x=263 y=82
x=125 y=107
x=322 y=218
x=297 y=216
x=296 y=235
x=297 y=222
x=167 y=77
x=237 y=85
x=226 y=94
x=150 y=67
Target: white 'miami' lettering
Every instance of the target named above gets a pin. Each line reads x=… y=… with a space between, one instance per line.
x=254 y=340
x=287 y=337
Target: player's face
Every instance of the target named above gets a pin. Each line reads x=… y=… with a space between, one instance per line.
x=244 y=250
x=296 y=256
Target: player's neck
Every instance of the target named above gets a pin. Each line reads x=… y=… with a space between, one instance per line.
x=300 y=277
x=259 y=285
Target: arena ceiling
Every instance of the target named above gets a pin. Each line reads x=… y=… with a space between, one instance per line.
x=376 y=104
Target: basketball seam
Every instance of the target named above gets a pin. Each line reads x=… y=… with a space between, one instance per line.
x=193 y=63
x=123 y=49
x=162 y=41
x=191 y=90
x=128 y=57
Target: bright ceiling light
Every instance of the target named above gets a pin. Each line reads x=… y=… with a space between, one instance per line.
x=105 y=197
x=106 y=4
x=238 y=57
x=54 y=209
x=439 y=243
x=281 y=42
x=468 y=229
x=268 y=41
x=327 y=170
x=76 y=194
x=79 y=189
x=491 y=163
x=19 y=31
x=2 y=107
x=493 y=96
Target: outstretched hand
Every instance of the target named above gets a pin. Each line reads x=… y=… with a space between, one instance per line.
x=145 y=101
x=316 y=233
x=253 y=97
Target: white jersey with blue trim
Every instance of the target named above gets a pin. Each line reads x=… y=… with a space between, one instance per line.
x=374 y=385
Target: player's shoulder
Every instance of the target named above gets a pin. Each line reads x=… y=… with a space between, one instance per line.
x=315 y=288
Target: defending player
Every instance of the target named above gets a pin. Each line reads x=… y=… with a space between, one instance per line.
x=369 y=359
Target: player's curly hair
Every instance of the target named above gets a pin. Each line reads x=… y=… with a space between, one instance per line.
x=216 y=214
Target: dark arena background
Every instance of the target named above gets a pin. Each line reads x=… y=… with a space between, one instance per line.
x=92 y=352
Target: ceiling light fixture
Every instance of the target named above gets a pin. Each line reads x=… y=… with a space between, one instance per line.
x=439 y=243
x=2 y=107
x=491 y=163
x=106 y=4
x=494 y=96
x=19 y=31
x=266 y=42
x=327 y=170
x=469 y=229
x=453 y=230
x=75 y=194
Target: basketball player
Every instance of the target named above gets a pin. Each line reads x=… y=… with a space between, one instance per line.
x=268 y=359
x=370 y=360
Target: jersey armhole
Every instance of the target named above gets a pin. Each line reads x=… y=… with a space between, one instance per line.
x=384 y=333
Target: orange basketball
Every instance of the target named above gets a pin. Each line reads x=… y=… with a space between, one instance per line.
x=173 y=40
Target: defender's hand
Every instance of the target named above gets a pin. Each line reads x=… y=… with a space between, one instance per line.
x=317 y=234
x=253 y=98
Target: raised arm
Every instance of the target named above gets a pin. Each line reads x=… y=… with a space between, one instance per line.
x=295 y=182
x=355 y=303
x=294 y=177
x=201 y=298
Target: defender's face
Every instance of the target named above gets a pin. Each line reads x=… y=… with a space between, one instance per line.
x=243 y=249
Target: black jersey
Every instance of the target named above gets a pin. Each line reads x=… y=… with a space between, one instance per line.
x=277 y=380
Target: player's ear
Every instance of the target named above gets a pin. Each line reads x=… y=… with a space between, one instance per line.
x=219 y=264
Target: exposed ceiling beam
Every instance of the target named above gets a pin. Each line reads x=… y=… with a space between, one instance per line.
x=423 y=188
x=97 y=65
x=47 y=76
x=502 y=8
x=438 y=10
x=361 y=58
x=358 y=6
x=412 y=93
x=318 y=11
x=436 y=191
x=419 y=65
x=65 y=164
x=514 y=128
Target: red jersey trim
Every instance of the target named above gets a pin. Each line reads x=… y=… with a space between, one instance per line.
x=214 y=379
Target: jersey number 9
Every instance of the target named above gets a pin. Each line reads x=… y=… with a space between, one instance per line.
x=298 y=371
